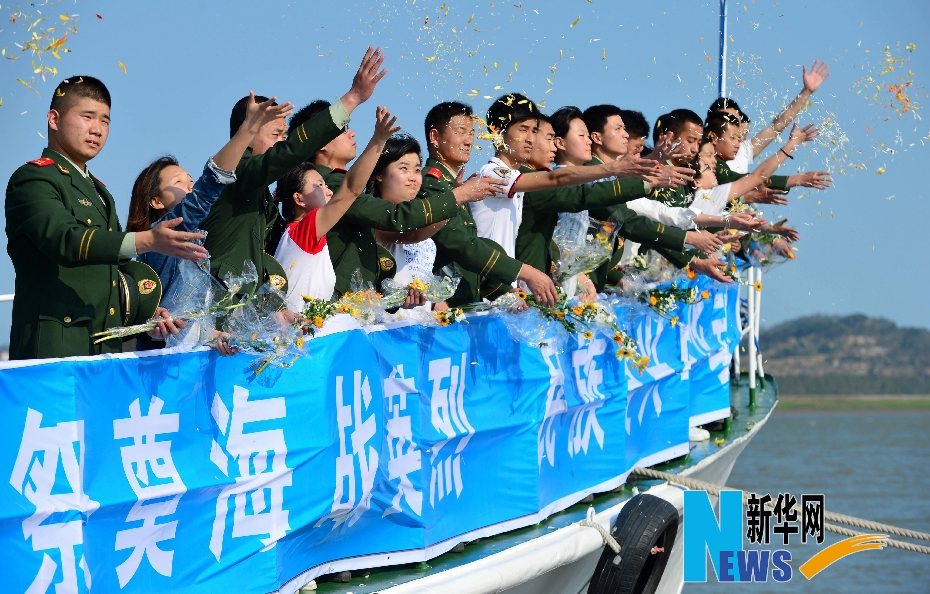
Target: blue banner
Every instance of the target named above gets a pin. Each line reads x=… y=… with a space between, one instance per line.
x=185 y=472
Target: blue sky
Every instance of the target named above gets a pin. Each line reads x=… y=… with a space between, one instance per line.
x=862 y=247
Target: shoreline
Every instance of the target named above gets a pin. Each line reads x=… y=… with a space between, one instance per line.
x=890 y=402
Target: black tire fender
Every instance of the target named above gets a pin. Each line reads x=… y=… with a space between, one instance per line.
x=645 y=523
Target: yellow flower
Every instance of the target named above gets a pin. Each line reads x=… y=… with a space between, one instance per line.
x=318 y=322
x=588 y=335
x=590 y=305
x=674 y=321
x=418 y=285
x=641 y=364
x=653 y=300
x=727 y=247
x=618 y=338
x=624 y=354
x=757 y=285
x=578 y=310
x=560 y=315
x=521 y=295
x=601 y=238
x=254 y=335
x=691 y=274
x=299 y=342
x=705 y=295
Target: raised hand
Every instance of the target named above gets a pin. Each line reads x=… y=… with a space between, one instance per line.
x=746 y=221
x=710 y=268
x=259 y=114
x=819 y=180
x=815 y=78
x=162 y=238
x=781 y=228
x=477 y=188
x=703 y=240
x=765 y=195
x=805 y=134
x=384 y=125
x=367 y=77
x=669 y=176
x=633 y=166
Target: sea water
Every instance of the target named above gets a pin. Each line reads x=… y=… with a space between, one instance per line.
x=871 y=464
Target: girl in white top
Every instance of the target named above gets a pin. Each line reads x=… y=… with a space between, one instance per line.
x=312 y=209
x=397 y=178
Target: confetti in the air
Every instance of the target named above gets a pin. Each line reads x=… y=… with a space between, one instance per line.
x=575 y=22
x=122 y=67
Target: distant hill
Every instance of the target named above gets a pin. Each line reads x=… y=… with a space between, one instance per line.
x=847 y=355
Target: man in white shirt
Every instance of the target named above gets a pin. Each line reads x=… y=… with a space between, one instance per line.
x=512 y=124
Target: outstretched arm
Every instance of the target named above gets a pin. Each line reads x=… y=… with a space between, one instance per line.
x=367 y=77
x=763 y=172
x=257 y=115
x=357 y=176
x=812 y=82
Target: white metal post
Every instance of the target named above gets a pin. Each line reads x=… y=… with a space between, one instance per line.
x=758 y=324
x=752 y=335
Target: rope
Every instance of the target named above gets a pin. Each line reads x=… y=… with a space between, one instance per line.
x=714 y=489
x=609 y=540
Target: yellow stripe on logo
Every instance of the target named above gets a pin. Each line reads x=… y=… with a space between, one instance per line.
x=837 y=551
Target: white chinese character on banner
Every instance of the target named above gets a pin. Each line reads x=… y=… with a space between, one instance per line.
x=349 y=501
x=447 y=406
x=588 y=379
x=33 y=476
x=258 y=458
x=555 y=405
x=405 y=457
x=145 y=457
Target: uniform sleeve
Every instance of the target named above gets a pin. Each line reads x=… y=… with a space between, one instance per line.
x=642 y=229
x=195 y=207
x=504 y=174
x=597 y=195
x=456 y=243
x=304 y=234
x=678 y=258
x=676 y=216
x=303 y=142
x=384 y=215
x=34 y=209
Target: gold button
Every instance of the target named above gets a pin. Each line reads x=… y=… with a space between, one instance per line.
x=112 y=311
x=67 y=320
x=110 y=229
x=88 y=221
x=114 y=283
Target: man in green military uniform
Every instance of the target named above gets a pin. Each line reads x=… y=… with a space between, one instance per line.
x=244 y=213
x=65 y=240
x=352 y=243
x=450 y=134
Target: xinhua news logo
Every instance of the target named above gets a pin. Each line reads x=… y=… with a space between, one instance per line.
x=762 y=522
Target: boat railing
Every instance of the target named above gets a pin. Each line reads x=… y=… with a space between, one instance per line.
x=751 y=331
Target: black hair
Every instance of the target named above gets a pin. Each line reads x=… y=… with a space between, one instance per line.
x=396 y=147
x=239 y=111
x=306 y=112
x=511 y=109
x=636 y=124
x=674 y=121
x=293 y=181
x=440 y=115
x=721 y=104
x=595 y=117
x=561 y=120
x=541 y=117
x=743 y=117
x=146 y=186
x=78 y=87
x=717 y=124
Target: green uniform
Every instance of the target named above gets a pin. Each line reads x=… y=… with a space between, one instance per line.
x=636 y=228
x=726 y=175
x=64 y=238
x=244 y=213
x=352 y=244
x=477 y=259
x=541 y=213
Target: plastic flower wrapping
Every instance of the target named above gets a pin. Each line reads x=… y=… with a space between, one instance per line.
x=584 y=244
x=433 y=288
x=768 y=250
x=651 y=267
x=361 y=302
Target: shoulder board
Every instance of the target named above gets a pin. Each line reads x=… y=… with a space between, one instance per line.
x=434 y=172
x=339 y=170
x=100 y=182
x=41 y=162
